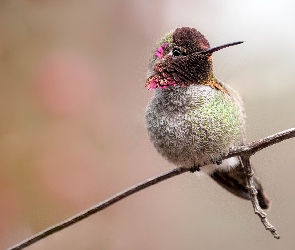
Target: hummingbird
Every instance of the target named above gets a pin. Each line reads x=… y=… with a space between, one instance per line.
x=193 y=119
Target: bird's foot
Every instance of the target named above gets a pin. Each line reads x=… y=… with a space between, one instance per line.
x=217 y=161
x=195 y=168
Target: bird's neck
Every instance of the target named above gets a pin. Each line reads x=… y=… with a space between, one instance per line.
x=214 y=83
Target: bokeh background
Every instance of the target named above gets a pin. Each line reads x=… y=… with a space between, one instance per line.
x=72 y=102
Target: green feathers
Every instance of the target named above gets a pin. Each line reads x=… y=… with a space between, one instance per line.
x=217 y=122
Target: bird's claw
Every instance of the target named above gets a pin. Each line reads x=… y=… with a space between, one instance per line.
x=195 y=168
x=217 y=161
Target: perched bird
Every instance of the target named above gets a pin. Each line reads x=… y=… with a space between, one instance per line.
x=193 y=119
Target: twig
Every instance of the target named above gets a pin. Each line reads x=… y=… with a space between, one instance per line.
x=255 y=146
x=244 y=151
x=253 y=194
x=102 y=205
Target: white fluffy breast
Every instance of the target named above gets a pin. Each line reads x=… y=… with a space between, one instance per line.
x=194 y=125
x=226 y=165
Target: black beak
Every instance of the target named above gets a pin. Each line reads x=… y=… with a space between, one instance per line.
x=211 y=50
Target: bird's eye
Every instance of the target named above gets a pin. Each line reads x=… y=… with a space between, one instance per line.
x=176 y=52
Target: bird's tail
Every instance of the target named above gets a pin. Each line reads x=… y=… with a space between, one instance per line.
x=234 y=180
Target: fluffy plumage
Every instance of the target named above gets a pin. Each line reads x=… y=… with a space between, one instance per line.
x=194 y=125
x=194 y=119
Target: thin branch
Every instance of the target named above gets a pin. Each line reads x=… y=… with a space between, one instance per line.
x=102 y=205
x=258 y=145
x=253 y=194
x=245 y=151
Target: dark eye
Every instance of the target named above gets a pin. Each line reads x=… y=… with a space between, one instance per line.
x=176 y=52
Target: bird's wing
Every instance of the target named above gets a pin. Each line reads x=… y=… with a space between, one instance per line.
x=234 y=181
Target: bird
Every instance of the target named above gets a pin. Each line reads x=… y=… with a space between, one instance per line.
x=193 y=119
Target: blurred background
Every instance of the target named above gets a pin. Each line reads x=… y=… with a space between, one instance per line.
x=72 y=103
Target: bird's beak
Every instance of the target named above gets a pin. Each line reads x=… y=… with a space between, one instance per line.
x=211 y=50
